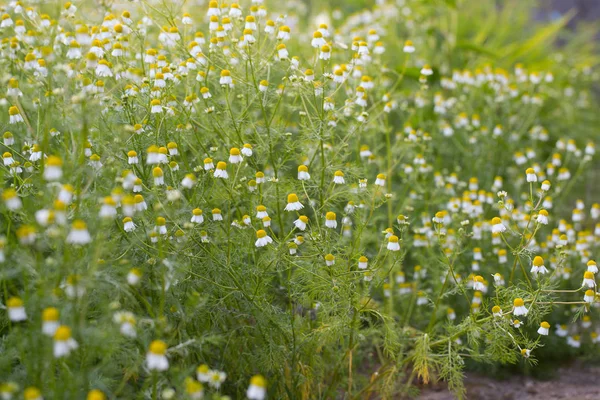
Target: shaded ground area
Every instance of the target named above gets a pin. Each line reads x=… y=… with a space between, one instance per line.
x=575 y=382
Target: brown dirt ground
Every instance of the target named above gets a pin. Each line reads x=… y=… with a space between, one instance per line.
x=573 y=383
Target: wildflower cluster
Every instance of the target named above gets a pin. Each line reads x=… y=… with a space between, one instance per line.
x=208 y=199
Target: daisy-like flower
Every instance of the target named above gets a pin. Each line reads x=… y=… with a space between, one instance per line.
x=126 y=321
x=497 y=226
x=225 y=79
x=53 y=168
x=261 y=212
x=588 y=279
x=526 y=353
x=538 y=267
x=132 y=157
x=96 y=394
x=262 y=239
x=301 y=222
x=155 y=107
x=303 y=174
x=544 y=328
x=338 y=178
x=426 y=70
x=380 y=181
x=188 y=182
x=257 y=389
x=216 y=378
x=408 y=47
x=161 y=226
x=79 y=234
x=50 y=322
x=64 y=343
x=393 y=243
x=293 y=203
x=478 y=283
x=496 y=311
x=158 y=175
x=247 y=150
x=592 y=267
x=208 y=164
x=108 y=208
x=542 y=217
x=134 y=276
x=282 y=52
x=531 y=176
x=197 y=216
x=451 y=314
x=221 y=170
x=31 y=393
x=14 y=115
x=156 y=358
x=519 y=307
x=128 y=225
x=235 y=156
x=329 y=259
x=589 y=296
x=203 y=373
x=330 y=220
x=363 y=262
x=498 y=279
x=216 y=214
x=545 y=185
x=16 y=309
x=11 y=199
x=194 y=389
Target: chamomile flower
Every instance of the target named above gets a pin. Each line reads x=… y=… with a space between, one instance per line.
x=330 y=220
x=221 y=170
x=31 y=393
x=158 y=175
x=64 y=343
x=128 y=225
x=194 y=389
x=79 y=234
x=393 y=243
x=496 y=311
x=16 y=309
x=293 y=203
x=531 y=176
x=303 y=174
x=590 y=296
x=589 y=280
x=538 y=267
x=363 y=262
x=338 y=178
x=257 y=390
x=380 y=181
x=134 y=276
x=11 y=199
x=519 y=307
x=50 y=321
x=542 y=217
x=301 y=222
x=189 y=180
x=262 y=239
x=544 y=328
x=53 y=168
x=235 y=156
x=497 y=226
x=478 y=283
x=15 y=116
x=156 y=358
x=408 y=47
x=126 y=321
x=592 y=267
